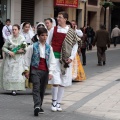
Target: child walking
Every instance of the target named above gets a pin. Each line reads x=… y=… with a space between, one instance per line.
x=41 y=61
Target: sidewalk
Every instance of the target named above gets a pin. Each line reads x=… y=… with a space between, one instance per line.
x=97 y=96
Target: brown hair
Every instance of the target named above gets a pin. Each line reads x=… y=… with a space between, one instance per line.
x=16 y=25
x=41 y=31
x=65 y=14
x=74 y=21
x=25 y=23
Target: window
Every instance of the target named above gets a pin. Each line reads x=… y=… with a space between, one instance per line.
x=27 y=11
x=93 y=2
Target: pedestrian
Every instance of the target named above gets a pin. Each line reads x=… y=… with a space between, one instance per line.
x=38 y=26
x=64 y=42
x=40 y=58
x=7 y=29
x=115 y=35
x=90 y=36
x=1 y=40
x=74 y=27
x=102 y=41
x=27 y=31
x=13 y=63
x=83 y=46
x=50 y=23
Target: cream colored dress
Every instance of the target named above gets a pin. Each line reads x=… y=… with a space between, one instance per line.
x=12 y=68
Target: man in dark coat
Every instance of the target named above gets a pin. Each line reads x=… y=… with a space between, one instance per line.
x=90 y=36
x=102 y=41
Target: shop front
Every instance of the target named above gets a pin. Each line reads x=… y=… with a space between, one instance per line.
x=66 y=5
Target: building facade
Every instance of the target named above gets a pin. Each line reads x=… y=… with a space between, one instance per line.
x=95 y=14
x=35 y=11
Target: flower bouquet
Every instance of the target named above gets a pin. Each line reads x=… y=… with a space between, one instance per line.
x=21 y=46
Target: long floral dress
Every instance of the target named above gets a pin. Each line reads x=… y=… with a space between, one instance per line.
x=78 y=73
x=12 y=68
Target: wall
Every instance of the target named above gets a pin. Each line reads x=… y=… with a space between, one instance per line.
x=81 y=17
x=43 y=9
x=98 y=18
x=15 y=11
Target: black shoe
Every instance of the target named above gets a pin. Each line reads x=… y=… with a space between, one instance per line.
x=104 y=63
x=99 y=64
x=14 y=93
x=36 y=111
x=84 y=64
x=41 y=111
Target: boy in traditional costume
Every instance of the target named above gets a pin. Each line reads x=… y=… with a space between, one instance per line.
x=64 y=42
x=40 y=58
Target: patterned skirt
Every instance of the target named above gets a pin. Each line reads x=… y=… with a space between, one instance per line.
x=78 y=73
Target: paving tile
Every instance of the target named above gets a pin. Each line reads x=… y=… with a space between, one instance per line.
x=75 y=96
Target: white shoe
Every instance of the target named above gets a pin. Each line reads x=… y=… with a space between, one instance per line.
x=54 y=108
x=59 y=109
x=14 y=93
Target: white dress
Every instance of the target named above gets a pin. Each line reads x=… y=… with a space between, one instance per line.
x=58 y=78
x=12 y=69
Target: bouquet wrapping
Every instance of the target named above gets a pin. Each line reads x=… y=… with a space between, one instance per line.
x=21 y=46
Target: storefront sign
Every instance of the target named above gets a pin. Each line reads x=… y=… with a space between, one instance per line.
x=67 y=3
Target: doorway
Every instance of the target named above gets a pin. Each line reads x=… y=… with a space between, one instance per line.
x=27 y=11
x=79 y=18
x=92 y=18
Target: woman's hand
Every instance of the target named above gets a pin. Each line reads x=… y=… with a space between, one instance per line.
x=27 y=75
x=50 y=76
x=68 y=60
x=12 y=54
x=20 y=51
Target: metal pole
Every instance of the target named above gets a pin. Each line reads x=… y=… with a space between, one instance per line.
x=85 y=14
x=105 y=15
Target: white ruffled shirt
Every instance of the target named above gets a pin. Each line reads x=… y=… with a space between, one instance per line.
x=63 y=30
x=29 y=53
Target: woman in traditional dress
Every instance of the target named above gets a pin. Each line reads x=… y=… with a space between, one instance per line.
x=1 y=39
x=35 y=37
x=27 y=31
x=13 y=65
x=50 y=23
x=78 y=73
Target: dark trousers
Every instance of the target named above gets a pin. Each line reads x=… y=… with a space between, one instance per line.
x=1 y=55
x=115 y=39
x=39 y=79
x=83 y=51
x=89 y=45
x=101 y=54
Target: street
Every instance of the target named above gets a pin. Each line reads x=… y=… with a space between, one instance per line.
x=94 y=99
